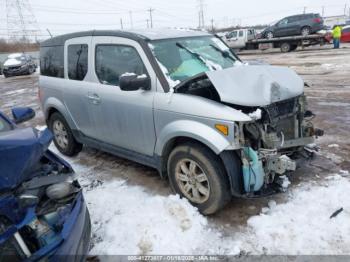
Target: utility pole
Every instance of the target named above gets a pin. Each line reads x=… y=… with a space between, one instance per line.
x=150 y=16
x=199 y=20
x=212 y=24
x=201 y=13
x=304 y=9
x=322 y=11
x=121 y=23
x=345 y=9
x=131 y=22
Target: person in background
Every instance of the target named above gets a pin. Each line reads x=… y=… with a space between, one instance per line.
x=336 y=36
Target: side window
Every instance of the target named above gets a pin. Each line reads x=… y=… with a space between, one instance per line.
x=240 y=33
x=51 y=61
x=293 y=19
x=77 y=61
x=283 y=22
x=232 y=34
x=112 y=61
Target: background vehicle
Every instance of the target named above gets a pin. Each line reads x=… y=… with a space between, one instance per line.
x=43 y=214
x=345 y=37
x=168 y=99
x=248 y=39
x=237 y=39
x=18 y=64
x=304 y=24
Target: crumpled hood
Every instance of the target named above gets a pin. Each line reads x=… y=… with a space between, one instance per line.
x=20 y=152
x=12 y=62
x=256 y=85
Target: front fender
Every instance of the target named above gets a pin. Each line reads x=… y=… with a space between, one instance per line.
x=192 y=129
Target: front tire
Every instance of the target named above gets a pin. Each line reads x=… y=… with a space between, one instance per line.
x=197 y=174
x=63 y=136
x=269 y=35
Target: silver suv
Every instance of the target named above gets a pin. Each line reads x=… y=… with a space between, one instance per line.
x=178 y=101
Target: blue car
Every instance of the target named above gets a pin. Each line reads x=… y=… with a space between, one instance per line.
x=43 y=214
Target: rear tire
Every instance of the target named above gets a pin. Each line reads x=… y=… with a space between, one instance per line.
x=63 y=136
x=285 y=47
x=305 y=31
x=197 y=174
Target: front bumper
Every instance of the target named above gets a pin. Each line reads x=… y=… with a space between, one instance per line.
x=15 y=71
x=77 y=233
x=71 y=244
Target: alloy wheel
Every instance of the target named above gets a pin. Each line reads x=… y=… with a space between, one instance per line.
x=192 y=181
x=60 y=133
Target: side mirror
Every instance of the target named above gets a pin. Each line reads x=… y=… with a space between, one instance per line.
x=133 y=82
x=22 y=114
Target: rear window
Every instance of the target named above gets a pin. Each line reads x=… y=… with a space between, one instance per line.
x=51 y=61
x=77 y=61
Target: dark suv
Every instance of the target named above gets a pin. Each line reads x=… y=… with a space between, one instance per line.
x=19 y=64
x=304 y=25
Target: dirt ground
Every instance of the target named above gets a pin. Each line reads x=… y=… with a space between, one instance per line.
x=325 y=70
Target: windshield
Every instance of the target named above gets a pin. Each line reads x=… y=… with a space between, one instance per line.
x=183 y=58
x=4 y=125
x=18 y=57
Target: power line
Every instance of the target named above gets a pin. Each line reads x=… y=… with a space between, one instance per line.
x=20 y=19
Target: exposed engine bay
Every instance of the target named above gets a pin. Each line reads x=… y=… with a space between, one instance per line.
x=273 y=139
x=34 y=216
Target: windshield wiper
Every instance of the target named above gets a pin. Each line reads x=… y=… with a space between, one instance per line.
x=195 y=54
x=225 y=54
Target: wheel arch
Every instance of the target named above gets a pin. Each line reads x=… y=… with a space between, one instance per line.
x=228 y=158
x=53 y=105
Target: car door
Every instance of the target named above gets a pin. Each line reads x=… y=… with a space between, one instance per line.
x=281 y=28
x=122 y=118
x=232 y=39
x=76 y=86
x=294 y=23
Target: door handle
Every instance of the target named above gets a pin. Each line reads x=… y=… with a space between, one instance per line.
x=94 y=98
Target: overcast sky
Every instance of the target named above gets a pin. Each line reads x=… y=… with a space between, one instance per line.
x=62 y=16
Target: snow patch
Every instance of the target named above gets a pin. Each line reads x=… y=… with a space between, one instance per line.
x=127 y=220
x=302 y=225
x=333 y=145
x=256 y=115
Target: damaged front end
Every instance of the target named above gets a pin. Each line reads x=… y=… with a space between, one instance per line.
x=43 y=214
x=277 y=138
x=280 y=127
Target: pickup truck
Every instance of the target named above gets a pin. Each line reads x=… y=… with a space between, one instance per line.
x=249 y=39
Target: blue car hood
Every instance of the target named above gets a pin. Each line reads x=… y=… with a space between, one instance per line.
x=20 y=153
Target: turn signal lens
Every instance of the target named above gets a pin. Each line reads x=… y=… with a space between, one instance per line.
x=222 y=129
